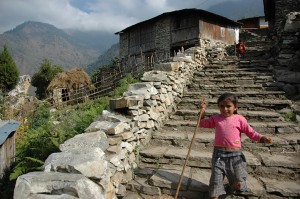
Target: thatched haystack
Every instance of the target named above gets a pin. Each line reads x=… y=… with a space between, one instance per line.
x=71 y=86
x=70 y=80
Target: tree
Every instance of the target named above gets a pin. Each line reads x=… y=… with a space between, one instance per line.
x=9 y=73
x=44 y=76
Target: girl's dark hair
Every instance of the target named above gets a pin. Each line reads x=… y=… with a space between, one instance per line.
x=229 y=96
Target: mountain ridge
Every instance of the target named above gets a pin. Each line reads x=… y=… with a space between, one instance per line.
x=31 y=42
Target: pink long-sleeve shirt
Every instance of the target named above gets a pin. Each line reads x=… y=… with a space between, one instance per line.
x=228 y=130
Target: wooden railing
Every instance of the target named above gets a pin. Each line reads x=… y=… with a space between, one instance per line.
x=107 y=82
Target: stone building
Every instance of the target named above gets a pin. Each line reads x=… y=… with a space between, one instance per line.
x=160 y=37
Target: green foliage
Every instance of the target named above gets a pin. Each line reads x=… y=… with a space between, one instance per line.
x=290 y=117
x=96 y=75
x=6 y=185
x=44 y=136
x=9 y=73
x=39 y=116
x=129 y=79
x=115 y=62
x=2 y=105
x=46 y=131
x=44 y=76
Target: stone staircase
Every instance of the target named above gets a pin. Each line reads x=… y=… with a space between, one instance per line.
x=273 y=168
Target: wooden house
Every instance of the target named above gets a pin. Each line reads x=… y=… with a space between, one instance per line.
x=160 y=36
x=254 y=23
x=7 y=143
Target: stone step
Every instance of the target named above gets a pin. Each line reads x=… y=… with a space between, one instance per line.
x=204 y=139
x=240 y=95
x=155 y=181
x=225 y=62
x=231 y=72
x=256 y=51
x=236 y=68
x=246 y=63
x=262 y=163
x=232 y=79
x=278 y=127
x=258 y=43
x=243 y=104
x=256 y=63
x=188 y=114
x=230 y=87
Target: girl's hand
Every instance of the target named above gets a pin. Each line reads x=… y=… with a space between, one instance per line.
x=264 y=139
x=203 y=104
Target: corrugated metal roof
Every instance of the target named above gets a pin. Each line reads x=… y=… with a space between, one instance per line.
x=7 y=127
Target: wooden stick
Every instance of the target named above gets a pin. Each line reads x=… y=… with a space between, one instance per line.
x=188 y=154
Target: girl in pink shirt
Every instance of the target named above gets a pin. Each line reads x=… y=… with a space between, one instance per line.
x=227 y=159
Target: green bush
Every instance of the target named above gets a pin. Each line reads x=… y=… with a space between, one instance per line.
x=40 y=115
x=45 y=131
x=129 y=79
x=290 y=117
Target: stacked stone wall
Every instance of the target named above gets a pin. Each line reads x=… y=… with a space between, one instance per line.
x=100 y=162
x=282 y=8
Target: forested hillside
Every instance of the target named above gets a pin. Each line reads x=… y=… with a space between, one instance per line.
x=31 y=42
x=105 y=59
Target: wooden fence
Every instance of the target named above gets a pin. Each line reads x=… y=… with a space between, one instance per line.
x=106 y=82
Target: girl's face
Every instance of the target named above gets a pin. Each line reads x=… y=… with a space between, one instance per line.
x=227 y=108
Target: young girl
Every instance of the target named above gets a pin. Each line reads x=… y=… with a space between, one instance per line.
x=228 y=159
x=240 y=48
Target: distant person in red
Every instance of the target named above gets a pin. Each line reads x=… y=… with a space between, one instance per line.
x=240 y=49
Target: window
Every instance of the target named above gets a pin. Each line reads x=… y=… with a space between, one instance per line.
x=222 y=32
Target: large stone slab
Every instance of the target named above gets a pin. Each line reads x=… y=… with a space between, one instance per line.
x=196 y=158
x=112 y=117
x=278 y=160
x=139 y=185
x=170 y=136
x=56 y=184
x=255 y=186
x=154 y=152
x=86 y=140
x=200 y=179
x=251 y=159
x=43 y=196
x=156 y=76
x=284 y=187
x=169 y=177
x=89 y=162
x=170 y=66
x=125 y=102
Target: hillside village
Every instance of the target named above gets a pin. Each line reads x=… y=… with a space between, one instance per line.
x=138 y=147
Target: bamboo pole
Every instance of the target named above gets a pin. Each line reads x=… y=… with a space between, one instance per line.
x=188 y=154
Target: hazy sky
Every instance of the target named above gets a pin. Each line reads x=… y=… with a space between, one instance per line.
x=105 y=15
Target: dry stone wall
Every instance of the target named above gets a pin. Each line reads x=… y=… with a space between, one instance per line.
x=282 y=8
x=286 y=49
x=100 y=162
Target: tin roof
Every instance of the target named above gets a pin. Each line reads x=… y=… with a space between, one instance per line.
x=7 y=127
x=195 y=11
